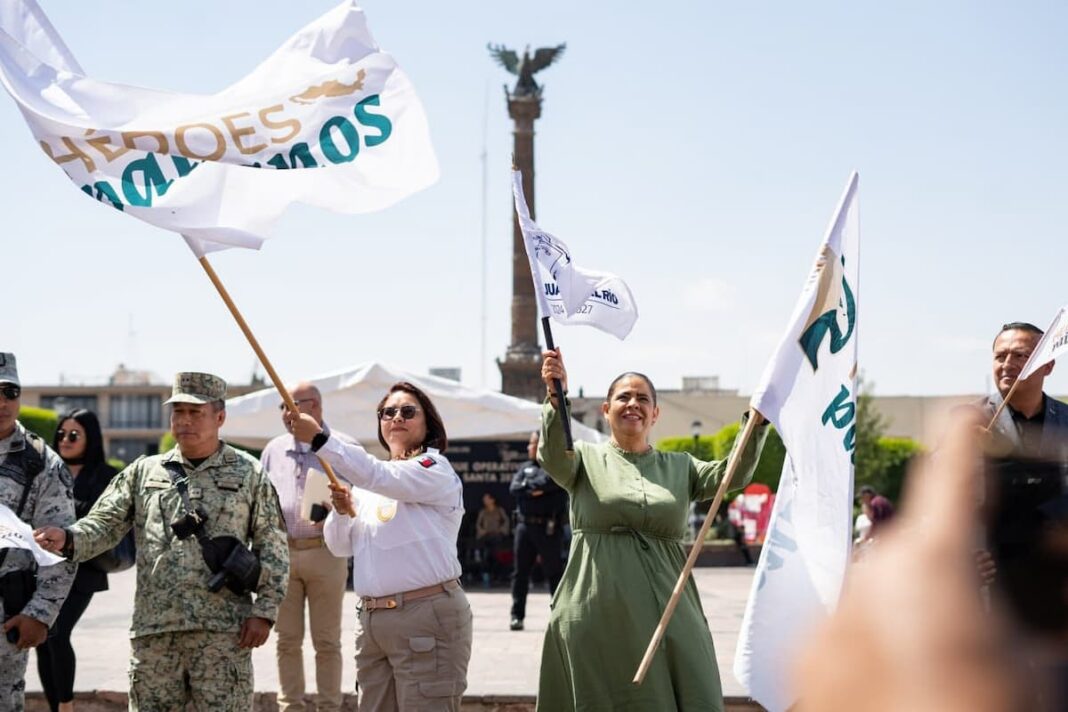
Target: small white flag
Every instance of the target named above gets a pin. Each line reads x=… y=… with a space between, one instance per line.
x=17 y=534
x=566 y=292
x=328 y=119
x=808 y=392
x=1052 y=345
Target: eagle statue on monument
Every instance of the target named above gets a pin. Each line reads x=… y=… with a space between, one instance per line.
x=526 y=67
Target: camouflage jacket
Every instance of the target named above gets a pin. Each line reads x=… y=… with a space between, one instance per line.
x=172 y=578
x=50 y=503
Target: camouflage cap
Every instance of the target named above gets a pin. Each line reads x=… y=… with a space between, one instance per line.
x=193 y=387
x=9 y=373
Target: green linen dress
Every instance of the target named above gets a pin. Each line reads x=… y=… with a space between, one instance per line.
x=628 y=514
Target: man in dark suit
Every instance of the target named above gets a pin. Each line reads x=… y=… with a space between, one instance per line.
x=1032 y=421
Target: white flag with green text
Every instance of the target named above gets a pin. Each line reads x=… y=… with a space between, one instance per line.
x=328 y=119
x=808 y=392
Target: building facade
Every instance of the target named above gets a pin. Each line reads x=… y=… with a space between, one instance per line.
x=129 y=406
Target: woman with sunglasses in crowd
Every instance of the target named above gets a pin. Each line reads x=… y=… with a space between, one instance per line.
x=413 y=633
x=79 y=442
x=629 y=506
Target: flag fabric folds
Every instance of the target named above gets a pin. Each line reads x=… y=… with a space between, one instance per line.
x=221 y=168
x=808 y=391
x=17 y=534
x=1052 y=345
x=566 y=292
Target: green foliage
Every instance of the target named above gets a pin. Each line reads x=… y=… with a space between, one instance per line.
x=718 y=446
x=40 y=421
x=705 y=449
x=894 y=457
x=881 y=461
x=167 y=442
x=117 y=463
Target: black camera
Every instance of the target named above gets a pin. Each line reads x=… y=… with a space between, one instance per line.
x=232 y=565
x=318 y=513
x=189 y=523
x=1026 y=516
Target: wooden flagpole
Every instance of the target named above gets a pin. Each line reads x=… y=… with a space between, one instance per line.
x=680 y=585
x=255 y=344
x=1004 y=402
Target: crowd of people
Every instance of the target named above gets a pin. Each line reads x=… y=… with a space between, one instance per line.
x=229 y=547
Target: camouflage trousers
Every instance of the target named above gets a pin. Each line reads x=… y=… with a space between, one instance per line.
x=12 y=676
x=207 y=668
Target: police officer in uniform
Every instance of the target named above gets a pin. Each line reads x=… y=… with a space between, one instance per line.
x=541 y=508
x=212 y=560
x=35 y=484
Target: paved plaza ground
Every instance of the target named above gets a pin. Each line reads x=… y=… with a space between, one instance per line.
x=502 y=662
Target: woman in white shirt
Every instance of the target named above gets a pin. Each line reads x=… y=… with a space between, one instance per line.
x=413 y=634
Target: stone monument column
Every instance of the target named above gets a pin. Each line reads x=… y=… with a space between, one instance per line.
x=521 y=365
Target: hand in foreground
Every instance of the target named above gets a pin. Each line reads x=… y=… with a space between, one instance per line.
x=50 y=538
x=254 y=632
x=302 y=425
x=32 y=632
x=910 y=632
x=552 y=367
x=341 y=496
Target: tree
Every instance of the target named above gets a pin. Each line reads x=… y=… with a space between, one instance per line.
x=40 y=421
x=718 y=446
x=880 y=461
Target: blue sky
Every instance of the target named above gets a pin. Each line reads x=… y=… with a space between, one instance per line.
x=696 y=149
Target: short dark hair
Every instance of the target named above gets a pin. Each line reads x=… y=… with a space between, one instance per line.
x=435 y=428
x=635 y=374
x=1019 y=326
x=94 y=439
x=867 y=489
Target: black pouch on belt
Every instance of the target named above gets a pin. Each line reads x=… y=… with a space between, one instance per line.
x=16 y=589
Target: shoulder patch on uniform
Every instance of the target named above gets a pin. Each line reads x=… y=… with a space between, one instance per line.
x=427 y=461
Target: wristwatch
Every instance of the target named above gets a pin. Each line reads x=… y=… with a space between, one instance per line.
x=319 y=440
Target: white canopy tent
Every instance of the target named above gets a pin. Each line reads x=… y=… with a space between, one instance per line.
x=350 y=397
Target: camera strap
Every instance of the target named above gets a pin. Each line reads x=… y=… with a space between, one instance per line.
x=180 y=480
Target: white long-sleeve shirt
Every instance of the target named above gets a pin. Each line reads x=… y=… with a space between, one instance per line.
x=408 y=515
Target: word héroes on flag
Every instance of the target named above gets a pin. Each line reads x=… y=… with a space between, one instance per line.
x=221 y=168
x=566 y=292
x=808 y=391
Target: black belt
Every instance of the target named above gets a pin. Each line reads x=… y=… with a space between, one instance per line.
x=526 y=519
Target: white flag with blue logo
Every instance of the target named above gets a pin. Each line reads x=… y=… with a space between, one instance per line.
x=566 y=292
x=808 y=391
x=221 y=168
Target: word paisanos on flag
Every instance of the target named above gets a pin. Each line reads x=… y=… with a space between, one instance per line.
x=808 y=391
x=329 y=119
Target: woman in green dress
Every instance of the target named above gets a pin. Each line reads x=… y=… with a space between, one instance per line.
x=628 y=512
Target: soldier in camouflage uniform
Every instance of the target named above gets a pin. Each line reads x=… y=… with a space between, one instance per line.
x=189 y=643
x=28 y=467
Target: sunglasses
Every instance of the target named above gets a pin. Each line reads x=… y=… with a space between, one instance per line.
x=390 y=412
x=282 y=406
x=10 y=391
x=72 y=436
